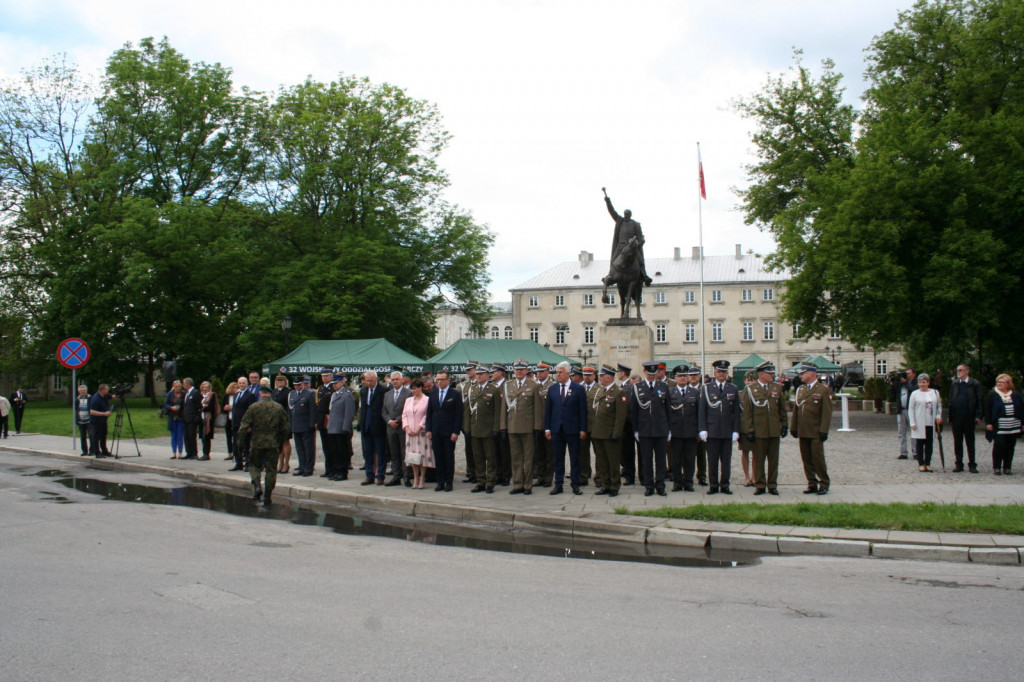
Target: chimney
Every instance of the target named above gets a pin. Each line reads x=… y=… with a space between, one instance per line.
x=696 y=253
x=585 y=258
x=677 y=254
x=739 y=252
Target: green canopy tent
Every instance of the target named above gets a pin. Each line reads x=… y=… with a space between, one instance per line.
x=823 y=363
x=349 y=356
x=752 y=361
x=455 y=357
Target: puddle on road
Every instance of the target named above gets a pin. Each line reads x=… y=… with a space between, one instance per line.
x=411 y=529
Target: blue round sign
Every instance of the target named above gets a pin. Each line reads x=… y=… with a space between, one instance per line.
x=73 y=353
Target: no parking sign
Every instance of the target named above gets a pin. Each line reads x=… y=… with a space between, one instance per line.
x=73 y=353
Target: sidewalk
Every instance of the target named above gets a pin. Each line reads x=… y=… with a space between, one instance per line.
x=594 y=516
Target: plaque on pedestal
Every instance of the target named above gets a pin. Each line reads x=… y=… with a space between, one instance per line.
x=629 y=342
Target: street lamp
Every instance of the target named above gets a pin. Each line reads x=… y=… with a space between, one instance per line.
x=834 y=351
x=286 y=327
x=585 y=355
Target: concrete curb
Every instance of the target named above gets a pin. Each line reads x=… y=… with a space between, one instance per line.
x=761 y=539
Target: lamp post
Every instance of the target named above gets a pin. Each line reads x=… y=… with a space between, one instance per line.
x=286 y=327
x=585 y=355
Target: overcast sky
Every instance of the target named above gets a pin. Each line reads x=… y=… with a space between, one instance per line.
x=547 y=102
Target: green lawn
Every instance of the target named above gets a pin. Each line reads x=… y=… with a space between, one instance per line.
x=926 y=516
x=54 y=417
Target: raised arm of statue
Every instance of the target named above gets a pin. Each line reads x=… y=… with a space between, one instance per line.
x=611 y=209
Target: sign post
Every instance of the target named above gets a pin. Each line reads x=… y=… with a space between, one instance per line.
x=73 y=353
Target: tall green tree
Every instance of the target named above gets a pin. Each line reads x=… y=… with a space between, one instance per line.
x=912 y=231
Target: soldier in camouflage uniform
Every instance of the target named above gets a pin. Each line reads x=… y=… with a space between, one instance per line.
x=264 y=428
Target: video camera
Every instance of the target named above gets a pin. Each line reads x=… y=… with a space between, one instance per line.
x=121 y=390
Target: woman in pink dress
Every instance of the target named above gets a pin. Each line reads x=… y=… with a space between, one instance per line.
x=418 y=454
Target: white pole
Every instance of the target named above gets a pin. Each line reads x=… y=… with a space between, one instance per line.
x=844 y=398
x=700 y=251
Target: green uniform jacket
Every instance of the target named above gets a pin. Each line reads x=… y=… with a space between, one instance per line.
x=265 y=425
x=813 y=412
x=608 y=409
x=764 y=410
x=462 y=388
x=522 y=408
x=482 y=404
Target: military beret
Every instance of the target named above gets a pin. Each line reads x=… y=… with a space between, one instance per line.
x=721 y=364
x=680 y=370
x=265 y=389
x=651 y=366
x=407 y=373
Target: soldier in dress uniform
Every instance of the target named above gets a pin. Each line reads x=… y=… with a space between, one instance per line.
x=342 y=412
x=684 y=403
x=502 y=453
x=695 y=376
x=608 y=408
x=543 y=457
x=323 y=406
x=719 y=423
x=648 y=410
x=763 y=421
x=302 y=409
x=812 y=417
x=471 y=368
x=264 y=429
x=628 y=455
x=589 y=383
x=482 y=403
x=522 y=415
x=280 y=396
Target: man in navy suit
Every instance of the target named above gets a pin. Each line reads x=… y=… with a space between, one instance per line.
x=192 y=415
x=565 y=424
x=372 y=428
x=444 y=421
x=245 y=398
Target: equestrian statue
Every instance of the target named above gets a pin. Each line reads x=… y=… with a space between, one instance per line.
x=628 y=269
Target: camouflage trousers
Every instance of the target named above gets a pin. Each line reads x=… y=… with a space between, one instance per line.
x=263 y=459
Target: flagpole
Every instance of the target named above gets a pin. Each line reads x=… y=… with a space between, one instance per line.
x=701 y=194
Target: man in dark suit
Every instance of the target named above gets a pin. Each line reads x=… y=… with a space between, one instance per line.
x=719 y=423
x=649 y=407
x=444 y=421
x=565 y=423
x=964 y=413
x=192 y=416
x=246 y=397
x=391 y=413
x=18 y=400
x=303 y=415
x=372 y=429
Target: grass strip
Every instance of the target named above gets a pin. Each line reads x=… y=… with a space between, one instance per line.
x=54 y=417
x=923 y=516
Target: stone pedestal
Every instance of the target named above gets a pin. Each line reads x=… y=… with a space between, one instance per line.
x=629 y=342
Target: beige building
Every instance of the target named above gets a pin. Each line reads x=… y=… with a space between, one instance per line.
x=561 y=308
x=452 y=324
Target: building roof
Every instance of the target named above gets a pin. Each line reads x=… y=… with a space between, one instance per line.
x=586 y=273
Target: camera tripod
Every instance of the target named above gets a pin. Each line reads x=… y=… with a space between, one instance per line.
x=121 y=408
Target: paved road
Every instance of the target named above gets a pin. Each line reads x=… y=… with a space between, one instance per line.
x=94 y=590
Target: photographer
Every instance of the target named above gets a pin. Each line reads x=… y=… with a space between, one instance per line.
x=901 y=385
x=99 y=411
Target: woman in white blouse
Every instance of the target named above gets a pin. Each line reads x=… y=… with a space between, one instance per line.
x=925 y=414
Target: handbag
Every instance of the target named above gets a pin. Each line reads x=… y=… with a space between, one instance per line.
x=220 y=421
x=413 y=457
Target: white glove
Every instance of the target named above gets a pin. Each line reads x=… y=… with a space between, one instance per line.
x=669 y=438
x=703 y=436
x=735 y=436
x=636 y=436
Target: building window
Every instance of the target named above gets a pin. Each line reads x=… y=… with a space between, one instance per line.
x=881 y=367
x=611 y=299
x=748 y=295
x=495 y=334
x=659 y=298
x=716 y=331
x=588 y=333
x=689 y=297
x=534 y=302
x=58 y=382
x=660 y=333
x=748 y=331
x=559 y=301
x=796 y=331
x=769 y=294
x=535 y=334
x=588 y=300
x=508 y=332
x=716 y=296
x=560 y=336
x=690 y=332
x=769 y=331
x=833 y=333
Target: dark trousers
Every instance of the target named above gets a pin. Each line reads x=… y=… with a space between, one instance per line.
x=98 y=438
x=812 y=452
x=923 y=447
x=323 y=438
x=683 y=453
x=305 y=450
x=229 y=435
x=766 y=450
x=1002 y=451
x=653 y=461
x=586 y=469
x=719 y=462
x=337 y=454
x=396 y=444
x=486 y=464
x=208 y=439
x=606 y=463
x=375 y=461
x=559 y=442
x=241 y=450
x=444 y=458
x=19 y=412
x=702 y=462
x=83 y=435
x=627 y=455
x=543 y=459
x=191 y=446
x=963 y=432
x=470 y=458
x=502 y=458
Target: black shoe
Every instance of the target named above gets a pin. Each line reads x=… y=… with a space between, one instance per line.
x=469 y=479
x=515 y=491
x=257 y=492
x=648 y=492
x=393 y=482
x=527 y=491
x=408 y=482
x=1007 y=472
x=997 y=472
x=712 y=491
x=958 y=468
x=490 y=490
x=447 y=487
x=297 y=472
x=902 y=457
x=811 y=490
x=823 y=491
x=583 y=483
x=504 y=482
x=556 y=490
x=702 y=481
x=748 y=485
x=576 y=490
x=602 y=491
x=676 y=487
x=613 y=493
x=266 y=500
x=235 y=468
x=688 y=488
x=773 y=491
x=973 y=468
x=759 y=491
x=84 y=454
x=661 y=491
x=479 y=488
x=366 y=481
x=326 y=475
x=439 y=488
x=628 y=480
x=542 y=484
x=726 y=491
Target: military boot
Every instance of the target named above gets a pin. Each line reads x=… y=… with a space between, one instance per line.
x=257 y=491
x=266 y=498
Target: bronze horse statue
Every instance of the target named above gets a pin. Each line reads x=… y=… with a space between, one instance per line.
x=625 y=271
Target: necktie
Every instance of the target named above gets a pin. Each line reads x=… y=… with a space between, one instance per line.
x=563 y=393
x=440 y=398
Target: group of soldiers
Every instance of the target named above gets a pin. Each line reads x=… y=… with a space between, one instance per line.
x=648 y=428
